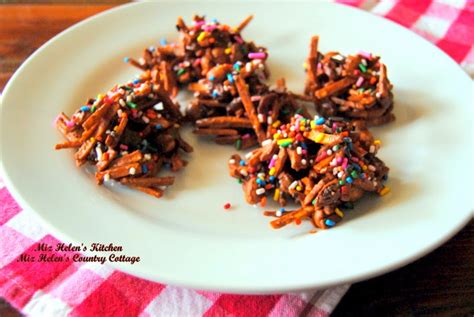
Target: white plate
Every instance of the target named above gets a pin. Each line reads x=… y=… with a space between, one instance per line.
x=187 y=238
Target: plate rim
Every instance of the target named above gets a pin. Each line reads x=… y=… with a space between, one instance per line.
x=16 y=193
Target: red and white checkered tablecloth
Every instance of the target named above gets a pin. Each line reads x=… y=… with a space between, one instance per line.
x=74 y=289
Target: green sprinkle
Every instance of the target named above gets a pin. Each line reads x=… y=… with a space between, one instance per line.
x=131 y=105
x=238 y=144
x=342 y=182
x=181 y=71
x=92 y=108
x=314 y=201
x=362 y=68
x=299 y=110
x=239 y=181
x=336 y=147
x=127 y=88
x=354 y=174
x=285 y=144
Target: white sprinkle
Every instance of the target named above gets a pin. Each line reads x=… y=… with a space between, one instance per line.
x=278 y=213
x=378 y=95
x=119 y=112
x=261 y=117
x=338 y=57
x=244 y=173
x=124 y=153
x=285 y=135
x=248 y=155
x=261 y=175
x=122 y=102
x=299 y=150
x=231 y=161
x=293 y=185
x=292 y=128
x=132 y=170
x=248 y=67
x=156 y=87
x=147 y=157
x=129 y=98
x=364 y=62
x=329 y=152
x=334 y=171
x=372 y=149
x=371 y=168
x=333 y=162
x=304 y=162
x=151 y=96
x=141 y=60
x=106 y=177
x=260 y=191
x=98 y=150
x=311 y=162
x=158 y=106
x=269 y=120
x=275 y=156
x=340 y=174
x=145 y=119
x=267 y=142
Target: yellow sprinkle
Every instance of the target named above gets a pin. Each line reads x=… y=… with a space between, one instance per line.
x=364 y=167
x=100 y=96
x=271 y=172
x=276 y=196
x=281 y=141
x=305 y=65
x=339 y=212
x=276 y=136
x=378 y=142
x=319 y=137
x=384 y=191
x=228 y=51
x=298 y=188
x=92 y=139
x=313 y=125
x=201 y=36
x=302 y=128
x=276 y=123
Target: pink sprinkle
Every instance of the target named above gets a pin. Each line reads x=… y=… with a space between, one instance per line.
x=210 y=28
x=359 y=82
x=255 y=98
x=123 y=147
x=238 y=39
x=259 y=55
x=70 y=124
x=246 y=136
x=304 y=152
x=196 y=62
x=365 y=54
x=355 y=159
x=339 y=160
x=272 y=163
x=334 y=126
x=321 y=157
x=320 y=66
x=344 y=164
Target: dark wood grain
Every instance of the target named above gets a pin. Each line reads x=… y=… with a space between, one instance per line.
x=440 y=284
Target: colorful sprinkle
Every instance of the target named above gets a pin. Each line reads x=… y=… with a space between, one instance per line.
x=329 y=223
x=227 y=206
x=384 y=191
x=339 y=212
x=259 y=55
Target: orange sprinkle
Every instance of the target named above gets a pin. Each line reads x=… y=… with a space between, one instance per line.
x=298 y=221
x=313 y=231
x=263 y=202
x=373 y=80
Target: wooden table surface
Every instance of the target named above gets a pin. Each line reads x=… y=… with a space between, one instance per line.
x=441 y=284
